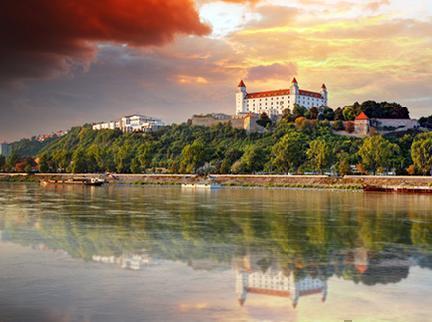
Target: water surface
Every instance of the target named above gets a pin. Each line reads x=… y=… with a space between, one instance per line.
x=129 y=253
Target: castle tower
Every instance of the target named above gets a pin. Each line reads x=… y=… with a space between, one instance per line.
x=242 y=283
x=324 y=93
x=240 y=98
x=294 y=93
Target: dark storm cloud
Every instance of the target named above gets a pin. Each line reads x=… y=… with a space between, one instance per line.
x=41 y=38
x=124 y=81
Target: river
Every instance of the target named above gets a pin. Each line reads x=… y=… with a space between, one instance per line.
x=132 y=253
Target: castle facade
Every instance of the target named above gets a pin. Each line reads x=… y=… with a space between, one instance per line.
x=274 y=102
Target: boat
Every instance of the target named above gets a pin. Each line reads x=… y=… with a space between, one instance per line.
x=201 y=186
x=92 y=181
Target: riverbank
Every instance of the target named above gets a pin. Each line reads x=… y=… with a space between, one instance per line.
x=421 y=184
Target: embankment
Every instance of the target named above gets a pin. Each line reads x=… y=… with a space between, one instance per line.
x=411 y=183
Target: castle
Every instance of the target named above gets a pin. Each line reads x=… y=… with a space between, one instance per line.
x=274 y=102
x=274 y=281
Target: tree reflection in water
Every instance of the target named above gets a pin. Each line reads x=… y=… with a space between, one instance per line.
x=279 y=243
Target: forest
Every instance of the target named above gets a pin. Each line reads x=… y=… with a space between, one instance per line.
x=298 y=143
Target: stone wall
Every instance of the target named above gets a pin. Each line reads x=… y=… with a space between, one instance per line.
x=245 y=122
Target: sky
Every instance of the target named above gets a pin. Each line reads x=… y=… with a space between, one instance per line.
x=64 y=63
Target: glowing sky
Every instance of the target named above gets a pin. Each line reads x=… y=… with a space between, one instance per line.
x=70 y=62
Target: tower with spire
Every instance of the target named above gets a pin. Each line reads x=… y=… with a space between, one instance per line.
x=240 y=98
x=324 y=93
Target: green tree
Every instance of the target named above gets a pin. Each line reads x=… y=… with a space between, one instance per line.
x=343 y=163
x=79 y=161
x=338 y=125
x=253 y=160
x=328 y=114
x=299 y=110
x=231 y=156
x=43 y=164
x=348 y=113
x=145 y=155
x=264 y=120
x=123 y=158
x=421 y=153
x=377 y=152
x=289 y=153
x=11 y=161
x=319 y=154
x=339 y=114
x=2 y=163
x=287 y=115
x=193 y=156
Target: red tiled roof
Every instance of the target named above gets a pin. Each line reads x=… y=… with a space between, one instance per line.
x=241 y=84
x=309 y=93
x=278 y=92
x=294 y=81
x=362 y=117
x=361 y=268
x=281 y=92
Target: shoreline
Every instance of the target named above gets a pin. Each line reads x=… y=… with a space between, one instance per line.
x=411 y=184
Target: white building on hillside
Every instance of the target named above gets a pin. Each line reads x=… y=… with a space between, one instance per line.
x=274 y=102
x=132 y=123
x=111 y=125
x=140 y=123
x=5 y=149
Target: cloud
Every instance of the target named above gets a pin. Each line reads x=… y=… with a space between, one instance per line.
x=274 y=71
x=42 y=38
x=375 y=5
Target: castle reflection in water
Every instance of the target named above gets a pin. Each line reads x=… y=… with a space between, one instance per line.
x=271 y=252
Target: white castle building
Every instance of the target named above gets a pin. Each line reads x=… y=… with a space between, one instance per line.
x=276 y=283
x=274 y=102
x=132 y=123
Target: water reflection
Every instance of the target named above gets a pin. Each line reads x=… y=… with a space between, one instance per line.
x=276 y=244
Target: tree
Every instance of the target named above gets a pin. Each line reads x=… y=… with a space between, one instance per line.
x=253 y=159
x=377 y=152
x=193 y=156
x=28 y=168
x=421 y=153
x=348 y=113
x=339 y=114
x=289 y=153
x=328 y=114
x=426 y=122
x=312 y=113
x=264 y=120
x=231 y=156
x=2 y=162
x=319 y=154
x=79 y=161
x=343 y=164
x=338 y=125
x=287 y=115
x=145 y=154
x=43 y=164
x=12 y=160
x=299 y=110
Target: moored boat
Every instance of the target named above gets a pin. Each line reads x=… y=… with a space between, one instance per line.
x=203 y=186
x=92 y=181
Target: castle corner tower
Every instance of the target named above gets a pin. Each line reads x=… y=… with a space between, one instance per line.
x=240 y=98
